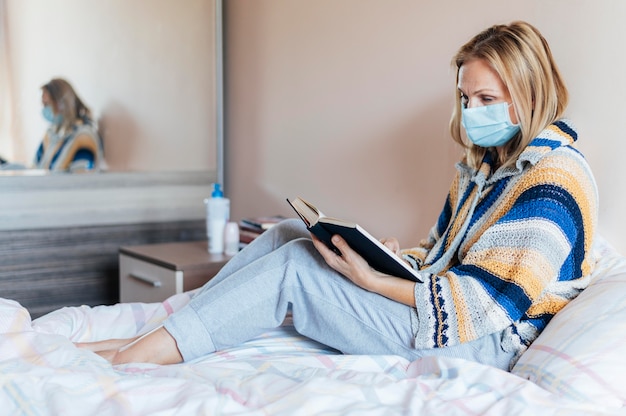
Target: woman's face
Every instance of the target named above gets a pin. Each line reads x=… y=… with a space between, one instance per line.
x=480 y=85
x=46 y=99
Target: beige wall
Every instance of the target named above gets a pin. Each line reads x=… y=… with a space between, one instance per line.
x=145 y=67
x=346 y=102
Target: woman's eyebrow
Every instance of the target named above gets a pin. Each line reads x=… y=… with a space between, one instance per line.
x=485 y=90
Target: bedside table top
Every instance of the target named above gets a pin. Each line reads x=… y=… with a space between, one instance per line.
x=185 y=255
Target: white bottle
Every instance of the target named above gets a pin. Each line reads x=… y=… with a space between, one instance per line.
x=231 y=239
x=217 y=215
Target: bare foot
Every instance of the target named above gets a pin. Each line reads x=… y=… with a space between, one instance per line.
x=108 y=355
x=157 y=347
x=105 y=345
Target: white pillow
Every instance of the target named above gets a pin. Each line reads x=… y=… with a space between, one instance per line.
x=581 y=354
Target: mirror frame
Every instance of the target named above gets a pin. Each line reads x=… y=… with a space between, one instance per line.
x=66 y=200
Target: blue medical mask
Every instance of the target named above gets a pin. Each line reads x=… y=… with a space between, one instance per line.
x=489 y=125
x=48 y=114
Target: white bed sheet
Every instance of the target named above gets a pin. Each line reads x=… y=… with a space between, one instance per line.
x=279 y=373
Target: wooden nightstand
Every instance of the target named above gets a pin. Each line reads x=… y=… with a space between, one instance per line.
x=154 y=272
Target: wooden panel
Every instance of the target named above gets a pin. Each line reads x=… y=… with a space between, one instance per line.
x=45 y=269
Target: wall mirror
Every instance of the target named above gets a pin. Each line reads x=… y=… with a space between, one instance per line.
x=148 y=69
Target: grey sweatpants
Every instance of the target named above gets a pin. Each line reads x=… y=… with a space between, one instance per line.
x=253 y=291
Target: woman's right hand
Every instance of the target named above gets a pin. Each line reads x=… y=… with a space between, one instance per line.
x=392 y=244
x=354 y=267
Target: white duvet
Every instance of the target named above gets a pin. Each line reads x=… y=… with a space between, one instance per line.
x=282 y=373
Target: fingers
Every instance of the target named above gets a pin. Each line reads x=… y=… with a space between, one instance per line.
x=322 y=248
x=391 y=243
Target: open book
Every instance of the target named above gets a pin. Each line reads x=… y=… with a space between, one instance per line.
x=373 y=251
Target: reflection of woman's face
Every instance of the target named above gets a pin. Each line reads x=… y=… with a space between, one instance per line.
x=46 y=99
x=480 y=85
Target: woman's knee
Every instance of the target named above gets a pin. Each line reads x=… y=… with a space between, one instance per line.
x=291 y=225
x=298 y=248
x=288 y=230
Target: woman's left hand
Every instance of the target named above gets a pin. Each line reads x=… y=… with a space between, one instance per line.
x=354 y=267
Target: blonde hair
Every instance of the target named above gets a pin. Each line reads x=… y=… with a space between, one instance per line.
x=67 y=103
x=520 y=55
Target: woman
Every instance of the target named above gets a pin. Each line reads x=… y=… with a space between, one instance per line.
x=72 y=142
x=510 y=249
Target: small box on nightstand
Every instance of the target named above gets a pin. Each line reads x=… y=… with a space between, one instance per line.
x=154 y=272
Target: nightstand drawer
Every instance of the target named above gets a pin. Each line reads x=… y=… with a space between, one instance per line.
x=154 y=272
x=141 y=281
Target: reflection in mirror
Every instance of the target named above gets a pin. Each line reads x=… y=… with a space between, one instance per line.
x=146 y=69
x=72 y=142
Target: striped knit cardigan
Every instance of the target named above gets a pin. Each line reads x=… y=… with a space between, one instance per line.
x=510 y=248
x=76 y=149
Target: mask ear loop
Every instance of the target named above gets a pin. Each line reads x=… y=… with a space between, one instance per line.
x=516 y=115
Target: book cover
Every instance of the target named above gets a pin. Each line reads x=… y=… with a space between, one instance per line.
x=378 y=256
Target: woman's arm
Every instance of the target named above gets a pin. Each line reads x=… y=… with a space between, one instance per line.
x=355 y=268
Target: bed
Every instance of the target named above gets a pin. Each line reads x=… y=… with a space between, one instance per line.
x=575 y=367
